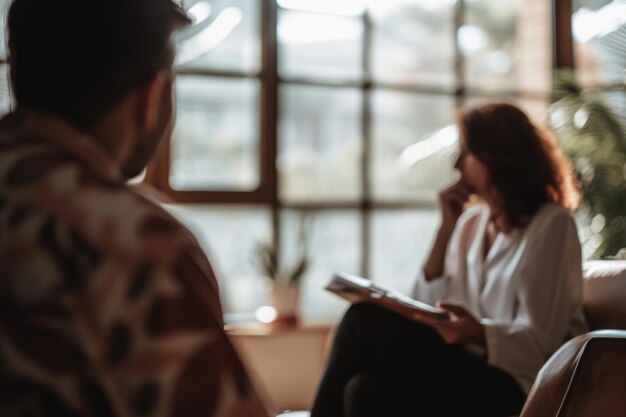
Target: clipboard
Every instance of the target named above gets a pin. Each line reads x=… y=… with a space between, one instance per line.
x=358 y=289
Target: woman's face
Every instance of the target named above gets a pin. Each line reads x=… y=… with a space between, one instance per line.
x=473 y=172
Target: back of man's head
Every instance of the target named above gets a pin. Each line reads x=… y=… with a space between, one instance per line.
x=78 y=59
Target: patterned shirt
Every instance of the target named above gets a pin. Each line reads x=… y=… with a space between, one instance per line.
x=108 y=307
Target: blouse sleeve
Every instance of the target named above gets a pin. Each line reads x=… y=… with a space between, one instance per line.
x=550 y=280
x=431 y=291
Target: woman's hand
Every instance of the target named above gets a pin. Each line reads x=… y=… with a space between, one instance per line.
x=451 y=201
x=461 y=328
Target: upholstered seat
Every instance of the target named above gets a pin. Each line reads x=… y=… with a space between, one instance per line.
x=605 y=294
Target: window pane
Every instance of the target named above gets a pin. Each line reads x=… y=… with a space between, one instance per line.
x=413 y=42
x=5 y=94
x=599 y=31
x=335 y=238
x=537 y=110
x=507 y=45
x=229 y=236
x=225 y=35
x=215 y=145
x=319 y=45
x=4 y=6
x=319 y=144
x=334 y=7
x=415 y=144
x=401 y=241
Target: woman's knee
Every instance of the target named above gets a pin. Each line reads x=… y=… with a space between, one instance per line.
x=368 y=312
x=378 y=394
x=361 y=395
x=380 y=321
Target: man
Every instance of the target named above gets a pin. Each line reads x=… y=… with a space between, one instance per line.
x=107 y=305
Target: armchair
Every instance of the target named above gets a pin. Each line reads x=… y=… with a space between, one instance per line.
x=587 y=376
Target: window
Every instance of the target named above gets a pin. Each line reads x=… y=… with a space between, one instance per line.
x=340 y=114
x=599 y=36
x=5 y=93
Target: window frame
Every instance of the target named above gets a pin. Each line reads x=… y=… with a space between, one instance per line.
x=267 y=193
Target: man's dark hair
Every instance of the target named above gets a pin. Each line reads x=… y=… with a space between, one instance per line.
x=78 y=59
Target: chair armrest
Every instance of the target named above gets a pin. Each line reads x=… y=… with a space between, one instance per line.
x=586 y=377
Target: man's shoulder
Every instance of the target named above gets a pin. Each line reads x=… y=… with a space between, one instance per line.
x=124 y=219
x=113 y=217
x=59 y=189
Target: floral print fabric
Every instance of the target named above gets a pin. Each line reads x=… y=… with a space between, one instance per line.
x=108 y=307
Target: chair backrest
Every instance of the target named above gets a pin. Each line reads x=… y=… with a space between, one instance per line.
x=585 y=378
x=605 y=294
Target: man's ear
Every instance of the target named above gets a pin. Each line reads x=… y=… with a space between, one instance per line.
x=149 y=101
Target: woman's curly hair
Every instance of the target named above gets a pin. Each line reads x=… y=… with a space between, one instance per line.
x=524 y=162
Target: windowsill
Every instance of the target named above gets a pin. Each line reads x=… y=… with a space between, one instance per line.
x=239 y=319
x=269 y=329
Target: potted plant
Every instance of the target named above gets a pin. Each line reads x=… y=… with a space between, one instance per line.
x=593 y=135
x=284 y=281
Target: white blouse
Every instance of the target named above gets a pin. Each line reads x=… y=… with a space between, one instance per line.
x=527 y=291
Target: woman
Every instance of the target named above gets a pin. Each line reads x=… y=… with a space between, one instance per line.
x=507 y=271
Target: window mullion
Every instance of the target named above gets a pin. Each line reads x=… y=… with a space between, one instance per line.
x=269 y=114
x=366 y=134
x=562 y=43
x=459 y=59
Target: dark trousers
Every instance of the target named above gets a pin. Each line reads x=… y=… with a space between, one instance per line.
x=384 y=365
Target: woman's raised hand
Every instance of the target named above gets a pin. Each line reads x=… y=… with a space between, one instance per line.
x=451 y=201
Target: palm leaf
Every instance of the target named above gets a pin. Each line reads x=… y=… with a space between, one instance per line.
x=595 y=137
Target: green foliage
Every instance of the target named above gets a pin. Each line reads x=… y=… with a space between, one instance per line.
x=593 y=135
